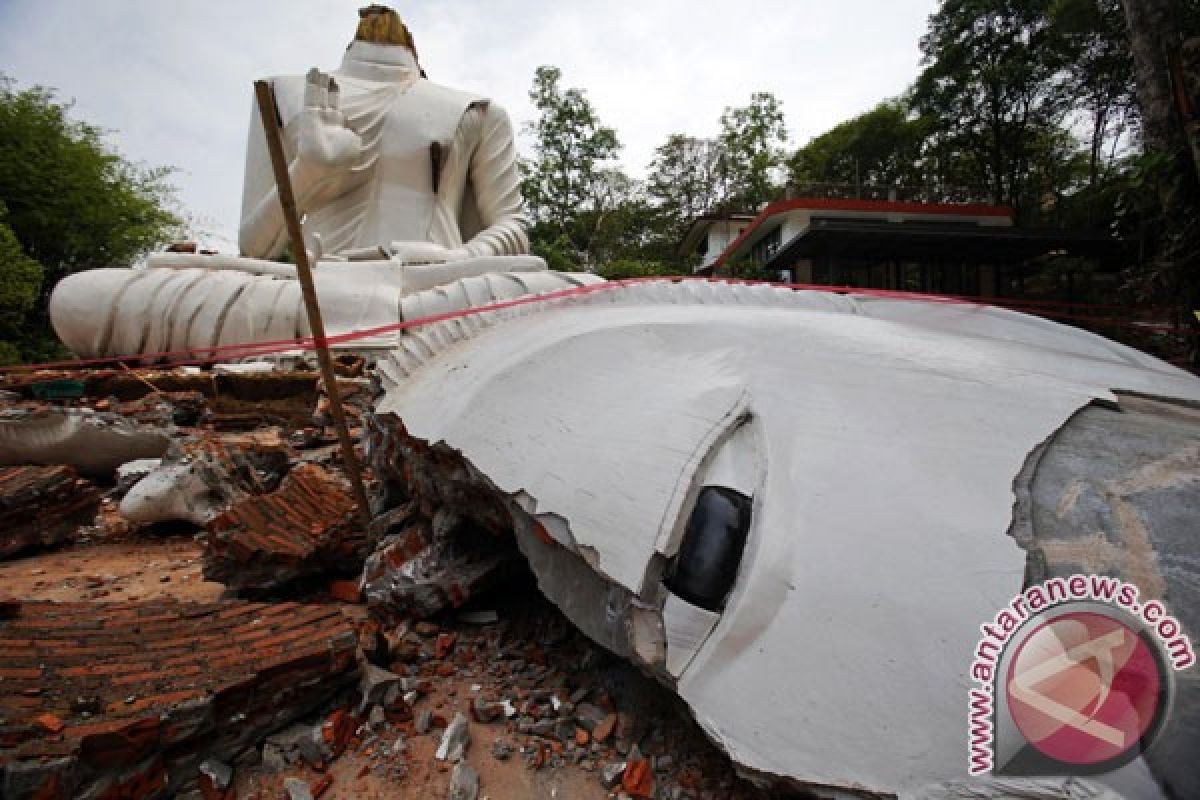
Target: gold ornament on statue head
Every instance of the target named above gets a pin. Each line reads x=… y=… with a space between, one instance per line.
x=381 y=25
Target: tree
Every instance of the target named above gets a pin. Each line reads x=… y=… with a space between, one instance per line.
x=72 y=202
x=568 y=175
x=1099 y=74
x=20 y=284
x=752 y=140
x=685 y=180
x=1164 y=192
x=991 y=87
x=880 y=148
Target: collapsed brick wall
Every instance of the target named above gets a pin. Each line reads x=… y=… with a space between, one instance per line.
x=125 y=700
x=307 y=527
x=42 y=507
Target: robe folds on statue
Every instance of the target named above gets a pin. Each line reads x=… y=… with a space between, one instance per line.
x=437 y=167
x=392 y=193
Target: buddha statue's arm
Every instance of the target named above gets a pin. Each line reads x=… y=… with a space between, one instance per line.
x=497 y=186
x=321 y=151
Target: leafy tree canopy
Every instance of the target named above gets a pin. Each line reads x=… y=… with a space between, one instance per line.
x=752 y=140
x=72 y=203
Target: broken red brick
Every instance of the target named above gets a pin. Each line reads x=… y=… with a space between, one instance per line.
x=444 y=644
x=321 y=786
x=306 y=526
x=337 y=731
x=638 y=779
x=346 y=591
x=605 y=729
x=50 y=722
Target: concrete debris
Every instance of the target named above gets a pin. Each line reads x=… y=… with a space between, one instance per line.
x=174 y=685
x=215 y=780
x=638 y=777
x=245 y=368
x=201 y=477
x=415 y=574
x=130 y=473
x=502 y=750
x=306 y=527
x=455 y=739
x=297 y=789
x=93 y=443
x=42 y=507
x=485 y=711
x=464 y=782
x=590 y=717
x=162 y=410
x=378 y=687
x=611 y=774
x=357 y=396
x=296 y=744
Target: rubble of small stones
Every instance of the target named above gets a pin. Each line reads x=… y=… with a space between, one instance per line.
x=411 y=659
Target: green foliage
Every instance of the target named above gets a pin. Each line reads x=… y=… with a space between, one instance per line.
x=72 y=203
x=1099 y=74
x=752 y=140
x=686 y=179
x=20 y=283
x=991 y=88
x=625 y=268
x=567 y=174
x=882 y=147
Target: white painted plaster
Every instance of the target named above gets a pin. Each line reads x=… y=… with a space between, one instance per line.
x=890 y=442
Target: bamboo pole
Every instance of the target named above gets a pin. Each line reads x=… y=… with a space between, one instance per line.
x=270 y=120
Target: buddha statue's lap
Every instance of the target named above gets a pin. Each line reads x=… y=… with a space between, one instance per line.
x=403 y=185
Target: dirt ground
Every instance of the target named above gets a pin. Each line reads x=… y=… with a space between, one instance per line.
x=143 y=567
x=116 y=563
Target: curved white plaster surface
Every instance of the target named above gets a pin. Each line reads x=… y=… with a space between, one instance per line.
x=879 y=540
x=94 y=444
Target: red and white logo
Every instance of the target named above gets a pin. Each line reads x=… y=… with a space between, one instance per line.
x=1085 y=689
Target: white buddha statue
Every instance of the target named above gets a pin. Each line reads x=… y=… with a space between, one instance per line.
x=402 y=184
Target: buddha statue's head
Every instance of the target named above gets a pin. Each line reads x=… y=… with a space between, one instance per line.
x=381 y=25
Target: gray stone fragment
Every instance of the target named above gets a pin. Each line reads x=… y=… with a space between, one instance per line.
x=424 y=721
x=455 y=739
x=486 y=711
x=589 y=716
x=610 y=774
x=273 y=759
x=297 y=789
x=544 y=727
x=378 y=719
x=564 y=731
x=502 y=750
x=219 y=773
x=295 y=743
x=375 y=686
x=464 y=782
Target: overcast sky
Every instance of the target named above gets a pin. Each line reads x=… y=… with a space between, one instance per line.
x=172 y=80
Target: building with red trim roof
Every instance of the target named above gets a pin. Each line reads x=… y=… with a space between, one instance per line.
x=954 y=248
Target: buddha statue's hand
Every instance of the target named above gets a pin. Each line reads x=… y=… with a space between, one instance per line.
x=425 y=253
x=322 y=141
